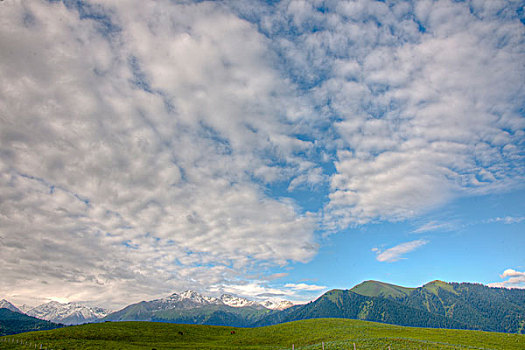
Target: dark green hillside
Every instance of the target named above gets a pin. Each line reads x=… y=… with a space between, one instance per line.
x=136 y=312
x=307 y=334
x=474 y=305
x=347 y=304
x=497 y=309
x=13 y=322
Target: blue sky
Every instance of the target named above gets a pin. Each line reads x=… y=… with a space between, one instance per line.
x=266 y=149
x=476 y=247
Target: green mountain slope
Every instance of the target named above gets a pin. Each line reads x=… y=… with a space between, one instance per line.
x=482 y=307
x=474 y=305
x=13 y=322
x=347 y=304
x=307 y=334
x=381 y=289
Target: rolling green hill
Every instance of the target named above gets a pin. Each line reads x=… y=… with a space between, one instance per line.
x=13 y=322
x=307 y=334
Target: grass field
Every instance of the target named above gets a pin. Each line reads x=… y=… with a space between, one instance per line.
x=307 y=334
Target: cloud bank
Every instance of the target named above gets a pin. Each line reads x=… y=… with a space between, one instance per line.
x=516 y=279
x=153 y=146
x=134 y=161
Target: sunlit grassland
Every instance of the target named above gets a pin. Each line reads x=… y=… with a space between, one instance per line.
x=307 y=334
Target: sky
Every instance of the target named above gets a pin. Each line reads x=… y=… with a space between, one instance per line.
x=266 y=149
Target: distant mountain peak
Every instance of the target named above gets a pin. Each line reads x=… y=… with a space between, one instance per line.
x=189 y=295
x=436 y=282
x=235 y=301
x=277 y=304
x=4 y=304
x=25 y=308
x=227 y=299
x=381 y=289
x=67 y=313
x=192 y=307
x=436 y=285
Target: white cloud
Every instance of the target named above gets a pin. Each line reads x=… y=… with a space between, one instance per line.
x=512 y=273
x=276 y=276
x=260 y=290
x=134 y=162
x=507 y=220
x=396 y=253
x=426 y=99
x=516 y=279
x=256 y=290
x=427 y=138
x=304 y=286
x=435 y=226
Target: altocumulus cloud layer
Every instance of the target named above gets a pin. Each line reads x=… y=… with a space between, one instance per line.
x=142 y=143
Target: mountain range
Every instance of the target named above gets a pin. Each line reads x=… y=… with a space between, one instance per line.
x=191 y=307
x=75 y=313
x=436 y=304
x=68 y=314
x=474 y=306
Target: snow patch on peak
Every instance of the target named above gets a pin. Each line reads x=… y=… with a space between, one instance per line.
x=234 y=301
x=277 y=304
x=25 y=308
x=189 y=299
x=4 y=304
x=198 y=298
x=190 y=295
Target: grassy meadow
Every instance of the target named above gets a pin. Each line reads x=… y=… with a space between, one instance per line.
x=307 y=334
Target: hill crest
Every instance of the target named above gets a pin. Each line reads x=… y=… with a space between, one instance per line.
x=373 y=288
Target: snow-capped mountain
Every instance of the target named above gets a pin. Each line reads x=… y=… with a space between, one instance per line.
x=190 y=296
x=25 y=308
x=4 y=304
x=234 y=301
x=277 y=304
x=192 y=303
x=185 y=300
x=70 y=313
x=75 y=313
x=193 y=298
x=194 y=308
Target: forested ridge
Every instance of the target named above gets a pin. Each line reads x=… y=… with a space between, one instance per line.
x=437 y=304
x=13 y=322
